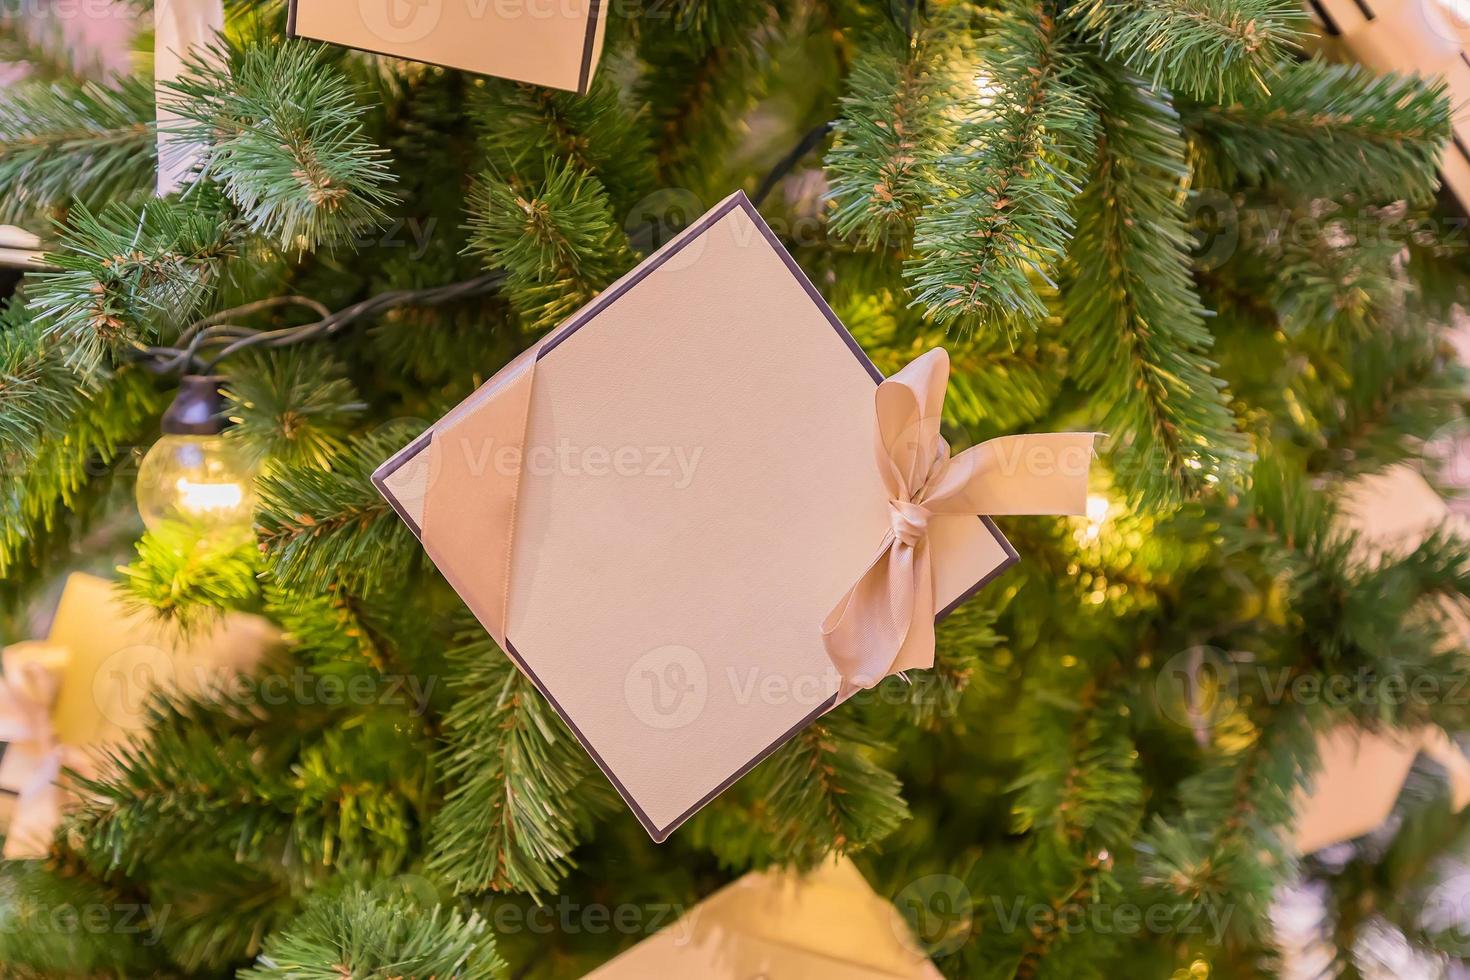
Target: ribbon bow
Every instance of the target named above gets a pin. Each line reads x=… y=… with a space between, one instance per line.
x=885 y=622
x=35 y=754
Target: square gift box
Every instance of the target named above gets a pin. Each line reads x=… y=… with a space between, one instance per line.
x=825 y=925
x=556 y=43
x=65 y=699
x=696 y=488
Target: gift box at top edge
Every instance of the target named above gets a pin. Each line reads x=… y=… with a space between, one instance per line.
x=556 y=43
x=694 y=488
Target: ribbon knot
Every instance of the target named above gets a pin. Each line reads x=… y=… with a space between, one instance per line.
x=909 y=521
x=35 y=754
x=885 y=623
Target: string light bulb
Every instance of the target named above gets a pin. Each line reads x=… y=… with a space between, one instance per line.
x=193 y=473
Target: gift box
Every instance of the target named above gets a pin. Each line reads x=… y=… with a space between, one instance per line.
x=86 y=686
x=667 y=512
x=828 y=925
x=1429 y=38
x=556 y=43
x=1361 y=773
x=1359 y=779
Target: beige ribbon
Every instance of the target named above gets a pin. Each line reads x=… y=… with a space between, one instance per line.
x=475 y=469
x=180 y=28
x=34 y=755
x=885 y=623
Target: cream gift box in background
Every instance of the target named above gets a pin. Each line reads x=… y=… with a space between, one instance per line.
x=691 y=485
x=1359 y=778
x=1360 y=773
x=1430 y=38
x=87 y=686
x=556 y=43
x=828 y=925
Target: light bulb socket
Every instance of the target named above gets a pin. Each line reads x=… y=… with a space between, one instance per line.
x=198 y=409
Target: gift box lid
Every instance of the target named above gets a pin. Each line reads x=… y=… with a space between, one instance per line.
x=827 y=925
x=556 y=43
x=699 y=488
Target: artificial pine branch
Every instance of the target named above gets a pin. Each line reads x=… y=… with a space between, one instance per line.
x=189 y=577
x=1133 y=320
x=69 y=141
x=292 y=408
x=285 y=142
x=520 y=788
x=990 y=246
x=557 y=241
x=277 y=771
x=1210 y=49
x=324 y=528
x=817 y=796
x=1326 y=129
x=367 y=936
x=62 y=466
x=893 y=129
x=129 y=277
x=525 y=129
x=705 y=68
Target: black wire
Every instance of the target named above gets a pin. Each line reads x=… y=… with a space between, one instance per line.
x=785 y=165
x=236 y=338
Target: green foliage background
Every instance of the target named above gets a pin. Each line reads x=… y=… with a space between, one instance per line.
x=1183 y=221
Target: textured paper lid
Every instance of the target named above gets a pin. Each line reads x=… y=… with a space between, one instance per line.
x=545 y=42
x=828 y=925
x=670 y=610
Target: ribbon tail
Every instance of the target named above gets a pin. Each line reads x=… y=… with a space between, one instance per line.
x=37 y=811
x=475 y=466
x=180 y=28
x=874 y=624
x=1042 y=473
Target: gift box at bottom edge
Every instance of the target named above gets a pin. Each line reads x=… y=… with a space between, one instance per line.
x=655 y=508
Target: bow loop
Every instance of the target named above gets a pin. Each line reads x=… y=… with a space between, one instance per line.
x=885 y=622
x=29 y=685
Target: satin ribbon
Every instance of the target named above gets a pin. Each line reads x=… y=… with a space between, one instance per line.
x=35 y=754
x=180 y=28
x=473 y=484
x=885 y=623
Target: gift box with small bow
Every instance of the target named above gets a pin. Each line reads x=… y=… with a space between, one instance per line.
x=697 y=516
x=65 y=699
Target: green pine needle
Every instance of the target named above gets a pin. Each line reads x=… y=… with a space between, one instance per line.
x=990 y=247
x=1134 y=322
x=366 y=936
x=285 y=142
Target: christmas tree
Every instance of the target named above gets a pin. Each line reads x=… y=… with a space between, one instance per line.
x=1186 y=223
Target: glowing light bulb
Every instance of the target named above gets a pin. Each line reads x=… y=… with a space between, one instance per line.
x=986 y=88
x=1098 y=509
x=192 y=473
